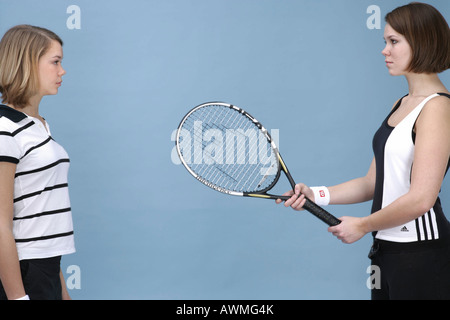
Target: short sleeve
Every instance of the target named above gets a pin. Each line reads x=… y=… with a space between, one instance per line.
x=9 y=149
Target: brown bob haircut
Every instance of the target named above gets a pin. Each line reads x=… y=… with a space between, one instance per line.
x=20 y=50
x=427 y=33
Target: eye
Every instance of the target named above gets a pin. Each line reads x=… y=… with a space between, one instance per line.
x=392 y=41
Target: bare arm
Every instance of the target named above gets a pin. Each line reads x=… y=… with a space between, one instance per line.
x=356 y=190
x=65 y=293
x=353 y=191
x=10 y=275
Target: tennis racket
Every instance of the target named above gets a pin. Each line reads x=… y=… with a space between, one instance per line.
x=228 y=150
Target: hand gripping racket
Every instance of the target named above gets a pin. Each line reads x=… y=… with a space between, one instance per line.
x=228 y=150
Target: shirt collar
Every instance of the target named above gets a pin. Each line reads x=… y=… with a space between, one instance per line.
x=11 y=114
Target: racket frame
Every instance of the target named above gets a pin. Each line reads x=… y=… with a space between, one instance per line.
x=310 y=206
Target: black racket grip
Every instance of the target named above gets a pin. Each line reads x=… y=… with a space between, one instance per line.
x=321 y=213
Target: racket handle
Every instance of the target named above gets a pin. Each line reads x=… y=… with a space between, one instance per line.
x=309 y=205
x=321 y=213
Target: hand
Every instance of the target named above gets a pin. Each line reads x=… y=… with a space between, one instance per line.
x=297 y=200
x=350 y=230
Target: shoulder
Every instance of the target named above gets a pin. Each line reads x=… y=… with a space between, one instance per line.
x=436 y=112
x=438 y=105
x=11 y=114
x=10 y=119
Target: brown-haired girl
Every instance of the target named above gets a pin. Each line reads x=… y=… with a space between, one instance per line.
x=412 y=155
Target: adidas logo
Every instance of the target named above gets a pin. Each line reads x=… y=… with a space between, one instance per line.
x=404 y=229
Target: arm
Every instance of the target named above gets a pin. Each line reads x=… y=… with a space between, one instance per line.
x=432 y=153
x=65 y=293
x=353 y=191
x=9 y=262
x=356 y=190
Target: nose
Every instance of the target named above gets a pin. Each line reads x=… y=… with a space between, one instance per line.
x=62 y=71
x=385 y=52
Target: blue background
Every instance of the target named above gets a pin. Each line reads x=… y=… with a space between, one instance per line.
x=144 y=228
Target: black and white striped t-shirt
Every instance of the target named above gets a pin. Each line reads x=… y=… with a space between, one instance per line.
x=394 y=154
x=42 y=223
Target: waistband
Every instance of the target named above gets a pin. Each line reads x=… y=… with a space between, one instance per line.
x=383 y=246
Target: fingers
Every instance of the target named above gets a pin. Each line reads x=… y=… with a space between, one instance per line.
x=335 y=231
x=289 y=193
x=347 y=231
x=302 y=188
x=338 y=233
x=296 y=202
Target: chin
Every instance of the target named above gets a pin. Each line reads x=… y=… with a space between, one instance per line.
x=394 y=73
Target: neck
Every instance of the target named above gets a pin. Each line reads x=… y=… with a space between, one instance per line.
x=32 y=108
x=423 y=85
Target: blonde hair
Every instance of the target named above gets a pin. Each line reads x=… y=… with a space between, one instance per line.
x=20 y=50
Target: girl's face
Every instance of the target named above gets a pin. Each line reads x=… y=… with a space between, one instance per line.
x=398 y=52
x=50 y=70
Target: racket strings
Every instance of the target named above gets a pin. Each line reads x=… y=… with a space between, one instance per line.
x=225 y=180
x=233 y=167
x=244 y=178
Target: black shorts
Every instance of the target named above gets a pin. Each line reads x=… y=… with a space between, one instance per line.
x=40 y=278
x=417 y=271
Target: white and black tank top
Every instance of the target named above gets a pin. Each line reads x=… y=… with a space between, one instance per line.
x=394 y=154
